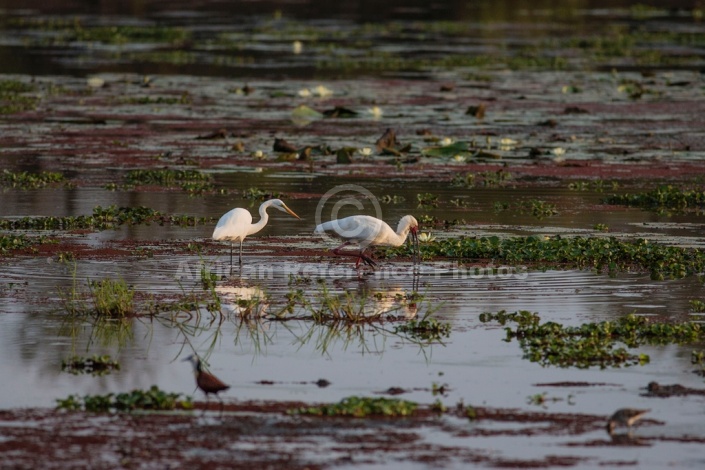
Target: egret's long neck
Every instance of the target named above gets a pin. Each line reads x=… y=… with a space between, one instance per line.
x=263 y=218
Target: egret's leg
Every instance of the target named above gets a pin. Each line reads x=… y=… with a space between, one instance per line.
x=240 y=262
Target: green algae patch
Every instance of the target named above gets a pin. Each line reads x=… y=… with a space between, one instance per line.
x=361 y=407
x=591 y=344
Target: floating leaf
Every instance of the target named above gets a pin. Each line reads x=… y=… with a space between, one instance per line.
x=304 y=115
x=461 y=148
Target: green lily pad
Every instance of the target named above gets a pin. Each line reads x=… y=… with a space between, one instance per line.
x=449 y=151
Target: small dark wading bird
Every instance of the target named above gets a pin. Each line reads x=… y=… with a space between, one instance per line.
x=367 y=231
x=237 y=224
x=206 y=381
x=624 y=417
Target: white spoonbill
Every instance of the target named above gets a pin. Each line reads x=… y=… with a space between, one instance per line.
x=236 y=224
x=366 y=231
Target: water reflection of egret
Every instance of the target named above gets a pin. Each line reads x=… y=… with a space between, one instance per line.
x=243 y=301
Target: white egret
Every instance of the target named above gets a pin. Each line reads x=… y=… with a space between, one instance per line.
x=366 y=231
x=237 y=224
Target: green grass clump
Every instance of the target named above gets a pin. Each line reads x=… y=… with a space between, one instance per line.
x=663 y=197
x=591 y=344
x=599 y=253
x=112 y=298
x=361 y=407
x=152 y=399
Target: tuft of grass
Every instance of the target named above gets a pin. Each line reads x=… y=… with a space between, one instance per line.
x=153 y=399
x=112 y=298
x=361 y=407
x=108 y=299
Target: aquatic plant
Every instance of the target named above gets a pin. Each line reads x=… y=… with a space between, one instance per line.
x=191 y=181
x=591 y=344
x=153 y=399
x=427 y=199
x=19 y=242
x=208 y=278
x=110 y=217
x=426 y=329
x=112 y=298
x=25 y=180
x=663 y=197
x=108 y=298
x=361 y=407
x=600 y=253
x=536 y=207
x=14 y=97
x=95 y=365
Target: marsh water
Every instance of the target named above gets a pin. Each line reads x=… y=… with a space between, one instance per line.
x=95 y=134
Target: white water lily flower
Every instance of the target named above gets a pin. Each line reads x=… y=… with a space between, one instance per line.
x=259 y=154
x=375 y=111
x=507 y=141
x=96 y=82
x=305 y=93
x=446 y=141
x=459 y=158
x=426 y=237
x=297 y=47
x=558 y=151
x=322 y=91
x=365 y=151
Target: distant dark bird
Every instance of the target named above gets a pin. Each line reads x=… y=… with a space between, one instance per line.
x=206 y=381
x=624 y=417
x=236 y=224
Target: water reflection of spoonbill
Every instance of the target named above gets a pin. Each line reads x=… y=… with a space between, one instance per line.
x=237 y=224
x=366 y=231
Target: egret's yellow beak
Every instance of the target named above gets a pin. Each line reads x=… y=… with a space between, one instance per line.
x=290 y=212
